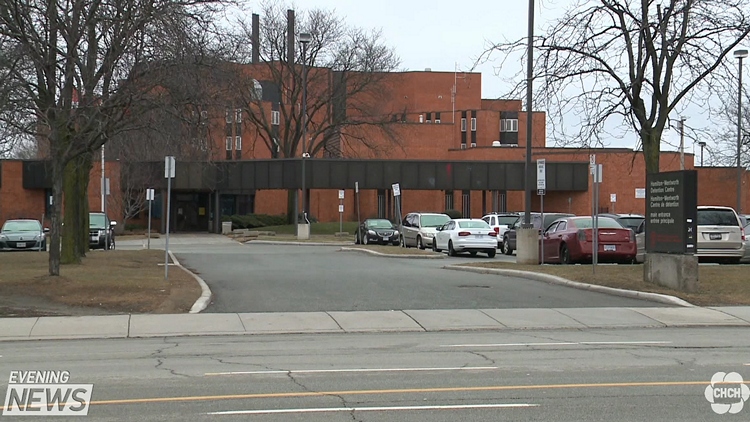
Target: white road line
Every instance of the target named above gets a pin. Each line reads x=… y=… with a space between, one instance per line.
x=558 y=344
x=324 y=371
x=375 y=409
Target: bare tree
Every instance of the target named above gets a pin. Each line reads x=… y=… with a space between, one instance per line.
x=86 y=70
x=622 y=67
x=347 y=79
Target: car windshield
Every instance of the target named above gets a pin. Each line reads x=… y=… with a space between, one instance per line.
x=479 y=224
x=604 y=223
x=22 y=226
x=379 y=224
x=507 y=220
x=96 y=220
x=434 y=220
x=717 y=217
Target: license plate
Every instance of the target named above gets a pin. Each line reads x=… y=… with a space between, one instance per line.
x=478 y=236
x=20 y=245
x=386 y=238
x=714 y=236
x=610 y=247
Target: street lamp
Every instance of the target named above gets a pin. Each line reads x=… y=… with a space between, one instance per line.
x=702 y=145
x=304 y=39
x=739 y=54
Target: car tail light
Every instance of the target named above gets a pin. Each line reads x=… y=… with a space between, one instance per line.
x=583 y=236
x=743 y=234
x=495 y=234
x=497 y=230
x=464 y=234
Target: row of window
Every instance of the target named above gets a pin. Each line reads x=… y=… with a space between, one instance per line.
x=237 y=143
x=237 y=115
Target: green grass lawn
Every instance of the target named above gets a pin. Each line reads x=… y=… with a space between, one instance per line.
x=315 y=228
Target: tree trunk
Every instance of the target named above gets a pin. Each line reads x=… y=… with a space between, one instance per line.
x=56 y=221
x=76 y=228
x=651 y=149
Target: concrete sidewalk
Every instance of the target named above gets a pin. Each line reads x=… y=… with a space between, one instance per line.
x=138 y=326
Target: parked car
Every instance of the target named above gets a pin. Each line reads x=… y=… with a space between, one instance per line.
x=745 y=219
x=419 y=228
x=23 y=235
x=501 y=222
x=640 y=242
x=466 y=235
x=101 y=231
x=509 y=238
x=629 y=221
x=571 y=240
x=720 y=234
x=377 y=230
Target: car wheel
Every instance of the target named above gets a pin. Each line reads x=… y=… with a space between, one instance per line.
x=365 y=240
x=564 y=254
x=451 y=251
x=491 y=253
x=420 y=245
x=506 y=247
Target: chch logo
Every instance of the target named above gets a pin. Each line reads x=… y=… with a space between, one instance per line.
x=727 y=393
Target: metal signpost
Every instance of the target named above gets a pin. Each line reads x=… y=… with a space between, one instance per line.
x=169 y=172
x=593 y=168
x=341 y=210
x=597 y=170
x=541 y=186
x=105 y=191
x=613 y=200
x=397 y=196
x=356 y=193
x=149 y=198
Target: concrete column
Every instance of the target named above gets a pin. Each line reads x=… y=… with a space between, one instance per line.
x=217 y=212
x=527 y=243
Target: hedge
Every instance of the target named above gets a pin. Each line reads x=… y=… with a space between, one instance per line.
x=252 y=221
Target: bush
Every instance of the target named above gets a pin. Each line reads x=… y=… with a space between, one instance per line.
x=453 y=214
x=134 y=227
x=252 y=221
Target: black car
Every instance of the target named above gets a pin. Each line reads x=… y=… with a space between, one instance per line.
x=377 y=230
x=509 y=239
x=101 y=231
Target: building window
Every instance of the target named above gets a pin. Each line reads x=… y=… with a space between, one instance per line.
x=429 y=117
x=509 y=125
x=437 y=117
x=463 y=124
x=229 y=143
x=499 y=201
x=449 y=200
x=466 y=203
x=47 y=203
x=238 y=143
x=228 y=115
x=275 y=117
x=403 y=117
x=382 y=206
x=473 y=124
x=238 y=115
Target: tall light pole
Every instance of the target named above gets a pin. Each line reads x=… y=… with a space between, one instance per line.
x=529 y=122
x=304 y=39
x=739 y=54
x=702 y=145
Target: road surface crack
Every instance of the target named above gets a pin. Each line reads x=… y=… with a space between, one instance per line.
x=340 y=397
x=483 y=356
x=160 y=359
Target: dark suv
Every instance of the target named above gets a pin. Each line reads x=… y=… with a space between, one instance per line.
x=101 y=231
x=509 y=239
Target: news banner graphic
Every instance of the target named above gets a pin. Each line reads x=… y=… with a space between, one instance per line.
x=45 y=393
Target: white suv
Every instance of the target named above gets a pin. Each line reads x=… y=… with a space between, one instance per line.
x=720 y=234
x=501 y=223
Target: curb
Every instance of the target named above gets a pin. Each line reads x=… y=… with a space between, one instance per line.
x=552 y=279
x=391 y=255
x=292 y=243
x=205 y=298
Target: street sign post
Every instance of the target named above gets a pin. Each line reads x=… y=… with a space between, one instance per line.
x=149 y=198
x=356 y=193
x=613 y=200
x=541 y=186
x=397 y=197
x=169 y=173
x=341 y=210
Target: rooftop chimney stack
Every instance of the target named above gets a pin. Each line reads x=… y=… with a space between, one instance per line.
x=255 y=41
x=290 y=36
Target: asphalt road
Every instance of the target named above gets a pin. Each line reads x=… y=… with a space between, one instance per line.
x=614 y=375
x=276 y=278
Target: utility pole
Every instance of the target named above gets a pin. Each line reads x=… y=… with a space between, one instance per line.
x=682 y=143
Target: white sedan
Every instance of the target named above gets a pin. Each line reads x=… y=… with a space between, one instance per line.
x=466 y=235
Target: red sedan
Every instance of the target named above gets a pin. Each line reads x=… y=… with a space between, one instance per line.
x=571 y=240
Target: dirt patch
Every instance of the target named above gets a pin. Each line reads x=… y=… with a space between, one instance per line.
x=720 y=285
x=111 y=282
x=396 y=250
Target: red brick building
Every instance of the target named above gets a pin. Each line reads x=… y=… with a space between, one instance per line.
x=435 y=117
